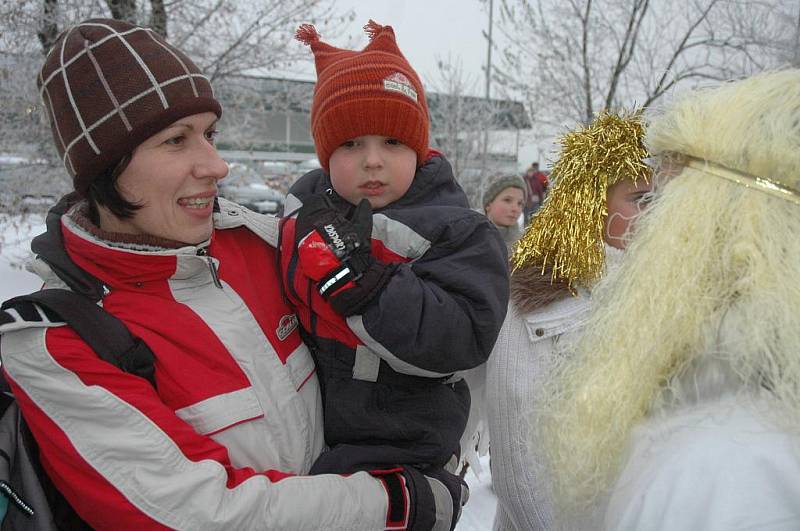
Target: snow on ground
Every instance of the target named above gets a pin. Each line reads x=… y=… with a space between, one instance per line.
x=479 y=512
x=15 y=237
x=14 y=248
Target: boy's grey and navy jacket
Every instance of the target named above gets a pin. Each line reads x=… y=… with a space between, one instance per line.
x=390 y=375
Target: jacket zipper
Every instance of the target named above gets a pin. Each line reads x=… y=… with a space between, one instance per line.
x=211 y=266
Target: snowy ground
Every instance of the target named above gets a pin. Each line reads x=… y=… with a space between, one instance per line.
x=15 y=236
x=14 y=248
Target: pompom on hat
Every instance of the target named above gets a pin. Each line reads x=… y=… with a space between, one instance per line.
x=369 y=92
x=566 y=234
x=108 y=85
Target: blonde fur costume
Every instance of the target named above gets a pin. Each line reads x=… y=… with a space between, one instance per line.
x=707 y=298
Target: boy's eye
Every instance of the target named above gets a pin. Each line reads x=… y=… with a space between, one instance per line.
x=393 y=142
x=349 y=144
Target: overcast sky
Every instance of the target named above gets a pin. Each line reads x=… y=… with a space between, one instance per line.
x=427 y=30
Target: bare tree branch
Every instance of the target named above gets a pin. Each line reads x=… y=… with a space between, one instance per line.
x=567 y=59
x=638 y=12
x=587 y=77
x=158 y=17
x=123 y=10
x=48 y=32
x=208 y=14
x=679 y=50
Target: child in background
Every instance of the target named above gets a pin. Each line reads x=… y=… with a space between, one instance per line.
x=398 y=285
x=503 y=203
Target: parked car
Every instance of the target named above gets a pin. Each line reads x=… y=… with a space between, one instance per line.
x=245 y=185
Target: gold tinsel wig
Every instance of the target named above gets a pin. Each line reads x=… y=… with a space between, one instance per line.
x=567 y=233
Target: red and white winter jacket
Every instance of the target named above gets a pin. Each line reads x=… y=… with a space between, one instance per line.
x=236 y=416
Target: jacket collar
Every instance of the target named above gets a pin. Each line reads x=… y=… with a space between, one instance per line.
x=117 y=264
x=433 y=184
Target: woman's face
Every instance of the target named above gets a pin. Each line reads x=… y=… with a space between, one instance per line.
x=626 y=200
x=505 y=209
x=173 y=176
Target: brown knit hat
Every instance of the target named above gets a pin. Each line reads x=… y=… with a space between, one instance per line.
x=108 y=86
x=371 y=92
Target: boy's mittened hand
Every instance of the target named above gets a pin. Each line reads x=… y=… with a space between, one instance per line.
x=327 y=241
x=335 y=251
x=318 y=211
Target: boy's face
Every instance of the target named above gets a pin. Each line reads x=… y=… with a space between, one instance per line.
x=377 y=168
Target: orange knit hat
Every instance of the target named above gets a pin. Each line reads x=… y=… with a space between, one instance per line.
x=371 y=92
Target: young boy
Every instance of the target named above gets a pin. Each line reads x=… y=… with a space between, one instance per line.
x=398 y=285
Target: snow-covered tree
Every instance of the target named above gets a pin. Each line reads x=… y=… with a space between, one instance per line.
x=226 y=38
x=568 y=59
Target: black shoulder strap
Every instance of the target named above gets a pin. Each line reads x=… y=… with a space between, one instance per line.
x=105 y=334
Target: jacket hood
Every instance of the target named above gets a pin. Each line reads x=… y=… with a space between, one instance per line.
x=49 y=247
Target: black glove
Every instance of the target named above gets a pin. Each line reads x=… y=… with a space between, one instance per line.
x=430 y=501
x=335 y=251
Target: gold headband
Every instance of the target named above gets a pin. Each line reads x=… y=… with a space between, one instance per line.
x=744 y=179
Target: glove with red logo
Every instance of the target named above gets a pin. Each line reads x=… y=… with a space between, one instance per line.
x=335 y=251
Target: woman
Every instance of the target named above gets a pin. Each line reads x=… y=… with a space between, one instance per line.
x=688 y=415
x=503 y=202
x=601 y=182
x=235 y=413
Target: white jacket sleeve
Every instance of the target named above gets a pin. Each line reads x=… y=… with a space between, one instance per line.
x=511 y=377
x=518 y=363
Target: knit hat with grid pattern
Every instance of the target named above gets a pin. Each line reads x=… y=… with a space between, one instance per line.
x=369 y=92
x=108 y=85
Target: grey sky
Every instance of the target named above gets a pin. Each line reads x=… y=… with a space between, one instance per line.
x=427 y=30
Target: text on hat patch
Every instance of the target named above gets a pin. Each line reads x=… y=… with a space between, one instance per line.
x=398 y=82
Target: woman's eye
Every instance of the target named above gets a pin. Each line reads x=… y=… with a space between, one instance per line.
x=211 y=135
x=175 y=140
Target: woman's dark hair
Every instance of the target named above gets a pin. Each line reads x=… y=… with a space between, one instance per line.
x=103 y=191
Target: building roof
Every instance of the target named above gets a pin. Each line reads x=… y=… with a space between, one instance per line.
x=271 y=94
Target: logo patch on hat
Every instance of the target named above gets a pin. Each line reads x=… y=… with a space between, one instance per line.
x=398 y=82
